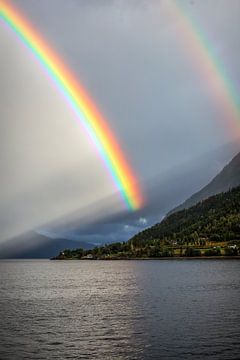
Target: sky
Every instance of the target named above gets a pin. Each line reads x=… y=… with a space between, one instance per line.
x=147 y=77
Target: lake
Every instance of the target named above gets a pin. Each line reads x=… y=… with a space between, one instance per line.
x=173 y=309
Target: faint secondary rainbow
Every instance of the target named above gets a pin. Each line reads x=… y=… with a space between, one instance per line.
x=77 y=98
x=209 y=64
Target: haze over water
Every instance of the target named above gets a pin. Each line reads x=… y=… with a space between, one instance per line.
x=119 y=309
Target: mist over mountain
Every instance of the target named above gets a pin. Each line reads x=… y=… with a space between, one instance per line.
x=210 y=228
x=36 y=246
x=228 y=178
x=163 y=193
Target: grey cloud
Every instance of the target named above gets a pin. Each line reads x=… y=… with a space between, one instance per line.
x=134 y=64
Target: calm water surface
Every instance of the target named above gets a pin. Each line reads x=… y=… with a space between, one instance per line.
x=120 y=309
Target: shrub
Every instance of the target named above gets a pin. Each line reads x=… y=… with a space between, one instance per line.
x=230 y=251
x=192 y=252
x=213 y=252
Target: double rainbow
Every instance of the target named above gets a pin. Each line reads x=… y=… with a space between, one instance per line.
x=213 y=71
x=76 y=97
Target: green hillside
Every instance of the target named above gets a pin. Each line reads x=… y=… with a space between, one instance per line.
x=210 y=228
x=214 y=219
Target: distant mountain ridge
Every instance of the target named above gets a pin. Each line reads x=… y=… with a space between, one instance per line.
x=36 y=246
x=227 y=179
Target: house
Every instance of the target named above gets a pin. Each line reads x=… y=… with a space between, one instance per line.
x=88 y=257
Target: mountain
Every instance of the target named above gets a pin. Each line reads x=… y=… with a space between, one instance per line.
x=214 y=219
x=228 y=178
x=35 y=246
x=164 y=191
x=209 y=228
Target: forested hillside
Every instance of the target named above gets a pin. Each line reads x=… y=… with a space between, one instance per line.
x=215 y=219
x=210 y=228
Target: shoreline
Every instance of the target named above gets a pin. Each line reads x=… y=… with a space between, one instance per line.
x=160 y=258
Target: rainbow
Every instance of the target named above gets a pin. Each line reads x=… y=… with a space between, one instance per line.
x=208 y=64
x=79 y=101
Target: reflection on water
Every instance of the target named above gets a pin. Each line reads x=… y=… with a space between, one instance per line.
x=119 y=309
